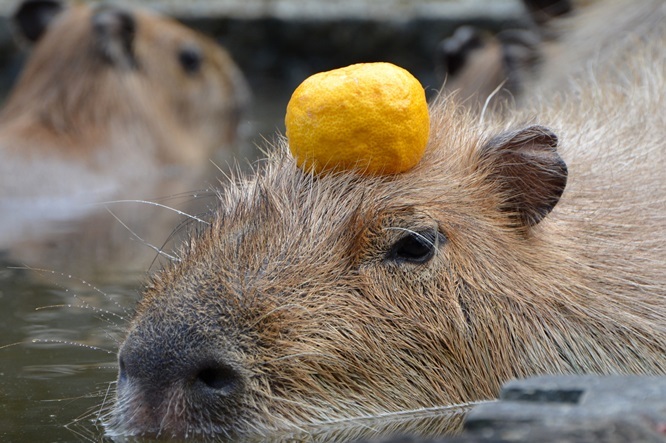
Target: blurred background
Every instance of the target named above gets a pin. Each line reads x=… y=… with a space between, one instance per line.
x=278 y=43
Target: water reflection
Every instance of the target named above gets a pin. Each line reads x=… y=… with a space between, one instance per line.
x=427 y=424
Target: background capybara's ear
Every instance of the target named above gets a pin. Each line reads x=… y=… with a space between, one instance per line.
x=114 y=31
x=543 y=11
x=454 y=51
x=529 y=171
x=33 y=17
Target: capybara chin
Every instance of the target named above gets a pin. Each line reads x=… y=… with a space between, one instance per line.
x=519 y=247
x=111 y=95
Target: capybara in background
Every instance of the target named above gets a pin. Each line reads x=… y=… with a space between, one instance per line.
x=486 y=70
x=111 y=96
x=528 y=245
x=483 y=67
x=114 y=103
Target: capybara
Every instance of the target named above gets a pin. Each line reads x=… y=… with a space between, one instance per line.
x=112 y=95
x=489 y=69
x=114 y=103
x=480 y=66
x=529 y=245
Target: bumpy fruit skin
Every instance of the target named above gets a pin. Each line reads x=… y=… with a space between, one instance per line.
x=372 y=117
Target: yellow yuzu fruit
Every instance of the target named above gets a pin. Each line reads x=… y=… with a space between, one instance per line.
x=372 y=117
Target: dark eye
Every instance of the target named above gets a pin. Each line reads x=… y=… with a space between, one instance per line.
x=190 y=59
x=416 y=247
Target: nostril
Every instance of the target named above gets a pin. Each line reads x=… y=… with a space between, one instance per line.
x=220 y=378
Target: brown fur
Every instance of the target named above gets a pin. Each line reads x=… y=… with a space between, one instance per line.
x=483 y=70
x=291 y=308
x=611 y=33
x=488 y=69
x=514 y=64
x=85 y=117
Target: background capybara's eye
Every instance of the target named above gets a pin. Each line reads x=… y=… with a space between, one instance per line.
x=190 y=59
x=416 y=247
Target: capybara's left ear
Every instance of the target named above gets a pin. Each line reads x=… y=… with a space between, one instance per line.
x=530 y=173
x=33 y=17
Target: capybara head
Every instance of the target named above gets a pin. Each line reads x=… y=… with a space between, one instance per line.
x=316 y=298
x=102 y=71
x=511 y=249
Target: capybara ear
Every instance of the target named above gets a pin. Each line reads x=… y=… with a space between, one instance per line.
x=114 y=30
x=529 y=171
x=33 y=17
x=454 y=51
x=543 y=11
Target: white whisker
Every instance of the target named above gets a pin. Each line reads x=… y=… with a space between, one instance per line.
x=487 y=102
x=80 y=280
x=70 y=343
x=159 y=205
x=160 y=251
x=84 y=305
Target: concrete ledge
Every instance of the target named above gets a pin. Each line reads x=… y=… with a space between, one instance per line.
x=573 y=409
x=567 y=409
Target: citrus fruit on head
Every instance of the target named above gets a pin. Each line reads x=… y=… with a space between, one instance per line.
x=372 y=117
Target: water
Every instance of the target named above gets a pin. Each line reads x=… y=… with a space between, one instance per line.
x=58 y=356
x=62 y=316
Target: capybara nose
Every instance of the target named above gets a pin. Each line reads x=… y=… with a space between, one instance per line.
x=172 y=378
x=208 y=376
x=157 y=371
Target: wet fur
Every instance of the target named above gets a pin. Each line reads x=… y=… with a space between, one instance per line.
x=291 y=290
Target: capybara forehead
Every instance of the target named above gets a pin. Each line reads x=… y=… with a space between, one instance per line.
x=283 y=206
x=448 y=174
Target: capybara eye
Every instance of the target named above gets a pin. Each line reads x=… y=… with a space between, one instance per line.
x=190 y=59
x=416 y=247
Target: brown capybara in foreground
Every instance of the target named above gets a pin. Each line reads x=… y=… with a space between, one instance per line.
x=111 y=95
x=529 y=246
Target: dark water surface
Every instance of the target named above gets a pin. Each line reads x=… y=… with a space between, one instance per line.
x=58 y=361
